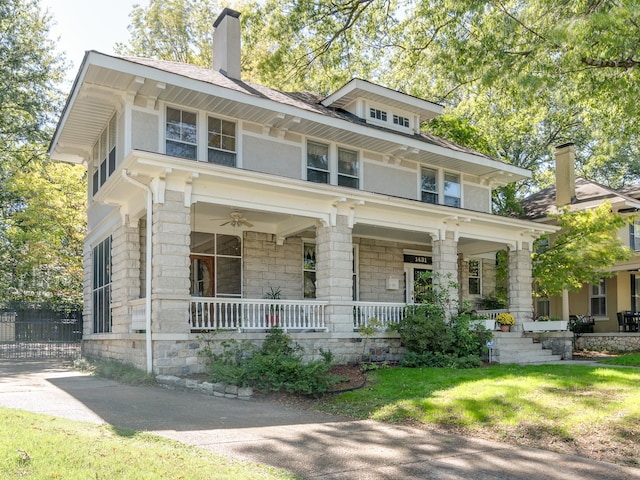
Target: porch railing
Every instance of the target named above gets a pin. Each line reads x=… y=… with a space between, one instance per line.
x=385 y=313
x=249 y=314
x=491 y=314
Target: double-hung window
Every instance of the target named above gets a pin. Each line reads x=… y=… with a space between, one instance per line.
x=475 y=277
x=598 y=298
x=309 y=269
x=181 y=133
x=104 y=155
x=101 y=291
x=634 y=235
x=429 y=185
x=221 y=142
x=452 y=190
x=317 y=162
x=348 y=168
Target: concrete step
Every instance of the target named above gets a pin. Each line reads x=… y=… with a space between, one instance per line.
x=528 y=357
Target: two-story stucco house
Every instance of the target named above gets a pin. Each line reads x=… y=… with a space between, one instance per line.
x=615 y=294
x=207 y=193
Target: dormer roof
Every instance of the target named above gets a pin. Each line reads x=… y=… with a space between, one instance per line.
x=358 y=88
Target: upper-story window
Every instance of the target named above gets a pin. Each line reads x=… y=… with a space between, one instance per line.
x=348 y=168
x=317 y=162
x=378 y=114
x=452 y=190
x=181 y=133
x=104 y=155
x=429 y=185
x=400 y=120
x=634 y=234
x=221 y=142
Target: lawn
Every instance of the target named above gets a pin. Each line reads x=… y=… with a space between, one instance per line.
x=589 y=411
x=39 y=446
x=628 y=359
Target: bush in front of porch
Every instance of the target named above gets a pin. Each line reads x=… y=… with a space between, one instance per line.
x=275 y=366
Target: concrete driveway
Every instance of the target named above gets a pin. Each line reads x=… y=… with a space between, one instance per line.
x=312 y=445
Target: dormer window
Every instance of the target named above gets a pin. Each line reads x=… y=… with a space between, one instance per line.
x=378 y=114
x=400 y=120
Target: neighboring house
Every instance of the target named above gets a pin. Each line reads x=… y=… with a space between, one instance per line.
x=208 y=193
x=617 y=293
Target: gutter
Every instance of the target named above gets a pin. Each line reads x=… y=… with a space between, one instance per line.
x=148 y=267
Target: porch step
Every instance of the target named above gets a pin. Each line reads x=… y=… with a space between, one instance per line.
x=512 y=347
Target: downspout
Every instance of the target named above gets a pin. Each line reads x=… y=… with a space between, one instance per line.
x=148 y=269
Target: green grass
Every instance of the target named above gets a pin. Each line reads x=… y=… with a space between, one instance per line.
x=42 y=447
x=629 y=359
x=572 y=408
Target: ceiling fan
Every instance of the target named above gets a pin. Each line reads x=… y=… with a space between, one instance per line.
x=237 y=219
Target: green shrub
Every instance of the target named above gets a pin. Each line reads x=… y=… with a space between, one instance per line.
x=277 y=365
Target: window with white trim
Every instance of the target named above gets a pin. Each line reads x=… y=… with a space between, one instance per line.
x=317 y=162
x=216 y=265
x=348 y=168
x=101 y=287
x=378 y=114
x=598 y=298
x=429 y=185
x=400 y=120
x=475 y=277
x=452 y=190
x=634 y=235
x=104 y=155
x=221 y=141
x=181 y=133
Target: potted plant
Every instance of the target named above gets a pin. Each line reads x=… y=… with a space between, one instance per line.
x=505 y=320
x=273 y=316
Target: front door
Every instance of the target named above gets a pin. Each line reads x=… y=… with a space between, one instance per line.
x=202 y=275
x=416 y=283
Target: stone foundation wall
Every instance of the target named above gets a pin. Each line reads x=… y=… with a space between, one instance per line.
x=181 y=357
x=613 y=342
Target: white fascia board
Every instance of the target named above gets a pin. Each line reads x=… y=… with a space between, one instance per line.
x=125 y=66
x=73 y=94
x=365 y=86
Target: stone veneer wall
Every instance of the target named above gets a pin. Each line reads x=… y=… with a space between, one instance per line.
x=267 y=264
x=612 y=342
x=182 y=357
x=379 y=260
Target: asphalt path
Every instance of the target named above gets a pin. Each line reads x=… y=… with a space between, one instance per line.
x=312 y=445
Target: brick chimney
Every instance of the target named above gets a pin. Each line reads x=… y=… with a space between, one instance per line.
x=226 y=43
x=565 y=174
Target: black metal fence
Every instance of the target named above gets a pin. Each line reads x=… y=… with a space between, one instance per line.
x=36 y=330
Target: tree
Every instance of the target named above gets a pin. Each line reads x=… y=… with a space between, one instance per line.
x=41 y=203
x=586 y=247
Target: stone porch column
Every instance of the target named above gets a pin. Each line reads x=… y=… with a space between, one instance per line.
x=125 y=276
x=170 y=277
x=519 y=284
x=445 y=268
x=334 y=273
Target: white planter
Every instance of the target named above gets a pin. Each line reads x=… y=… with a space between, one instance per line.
x=554 y=326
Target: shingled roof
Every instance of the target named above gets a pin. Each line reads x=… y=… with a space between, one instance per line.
x=543 y=203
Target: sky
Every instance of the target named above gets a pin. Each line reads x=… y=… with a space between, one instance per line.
x=81 y=25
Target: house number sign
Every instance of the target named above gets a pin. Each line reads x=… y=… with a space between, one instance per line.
x=423 y=259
